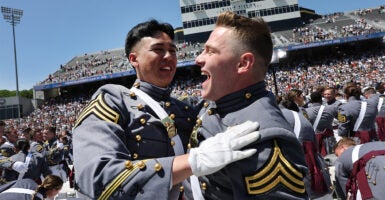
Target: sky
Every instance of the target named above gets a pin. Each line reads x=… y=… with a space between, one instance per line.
x=52 y=32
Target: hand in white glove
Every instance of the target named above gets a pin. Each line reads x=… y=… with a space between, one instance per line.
x=59 y=145
x=216 y=152
x=20 y=167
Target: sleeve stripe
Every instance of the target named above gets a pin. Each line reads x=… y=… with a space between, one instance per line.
x=118 y=181
x=277 y=171
x=100 y=109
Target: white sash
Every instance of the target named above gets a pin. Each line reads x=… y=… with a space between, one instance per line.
x=297 y=124
x=355 y=157
x=195 y=185
x=380 y=101
x=26 y=163
x=361 y=116
x=321 y=109
x=178 y=147
x=23 y=191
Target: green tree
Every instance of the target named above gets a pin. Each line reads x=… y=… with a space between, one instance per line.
x=23 y=93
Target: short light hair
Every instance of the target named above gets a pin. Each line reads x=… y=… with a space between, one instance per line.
x=253 y=33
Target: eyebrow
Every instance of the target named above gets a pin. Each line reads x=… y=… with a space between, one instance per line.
x=164 y=44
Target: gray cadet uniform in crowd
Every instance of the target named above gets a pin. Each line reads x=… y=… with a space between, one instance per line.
x=8 y=149
x=278 y=168
x=325 y=140
x=334 y=104
x=37 y=166
x=349 y=113
x=28 y=184
x=318 y=183
x=129 y=152
x=379 y=100
x=371 y=180
x=54 y=156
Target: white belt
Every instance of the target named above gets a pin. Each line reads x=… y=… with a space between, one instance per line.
x=23 y=191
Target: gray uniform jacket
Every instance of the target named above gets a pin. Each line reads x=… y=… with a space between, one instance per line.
x=374 y=168
x=122 y=150
x=327 y=116
x=53 y=155
x=348 y=114
x=306 y=132
x=276 y=171
x=37 y=165
x=335 y=104
x=24 y=184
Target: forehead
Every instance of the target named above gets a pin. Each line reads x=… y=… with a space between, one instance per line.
x=220 y=37
x=159 y=38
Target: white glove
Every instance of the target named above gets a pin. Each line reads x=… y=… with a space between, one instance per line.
x=216 y=152
x=20 y=167
x=59 y=145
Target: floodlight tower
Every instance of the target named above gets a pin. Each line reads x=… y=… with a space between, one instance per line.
x=13 y=16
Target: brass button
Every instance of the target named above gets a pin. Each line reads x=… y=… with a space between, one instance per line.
x=181 y=188
x=137 y=84
x=158 y=167
x=132 y=94
x=143 y=121
x=128 y=164
x=172 y=143
x=141 y=165
x=186 y=107
x=172 y=116
x=188 y=146
x=203 y=186
x=199 y=122
x=206 y=104
x=188 y=119
x=210 y=112
x=248 y=95
x=138 y=138
x=135 y=156
x=168 y=104
x=140 y=107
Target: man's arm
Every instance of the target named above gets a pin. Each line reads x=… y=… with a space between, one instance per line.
x=216 y=152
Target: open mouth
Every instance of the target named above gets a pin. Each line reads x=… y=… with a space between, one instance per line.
x=203 y=73
x=165 y=69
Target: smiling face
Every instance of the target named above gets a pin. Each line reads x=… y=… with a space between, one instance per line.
x=329 y=95
x=154 y=59
x=219 y=61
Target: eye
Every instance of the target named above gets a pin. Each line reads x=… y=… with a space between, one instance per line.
x=158 y=50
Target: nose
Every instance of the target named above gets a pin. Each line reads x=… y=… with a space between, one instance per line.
x=199 y=60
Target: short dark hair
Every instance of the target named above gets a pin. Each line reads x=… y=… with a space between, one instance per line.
x=146 y=29
x=2 y=123
x=316 y=97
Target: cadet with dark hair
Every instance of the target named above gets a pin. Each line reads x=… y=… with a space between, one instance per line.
x=131 y=143
x=235 y=60
x=321 y=118
x=357 y=117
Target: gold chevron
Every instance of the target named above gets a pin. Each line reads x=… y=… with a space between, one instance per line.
x=100 y=109
x=119 y=180
x=277 y=171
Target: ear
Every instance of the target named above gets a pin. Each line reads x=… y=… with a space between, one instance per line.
x=132 y=58
x=246 y=62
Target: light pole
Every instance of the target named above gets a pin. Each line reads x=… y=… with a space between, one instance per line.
x=277 y=54
x=13 y=16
